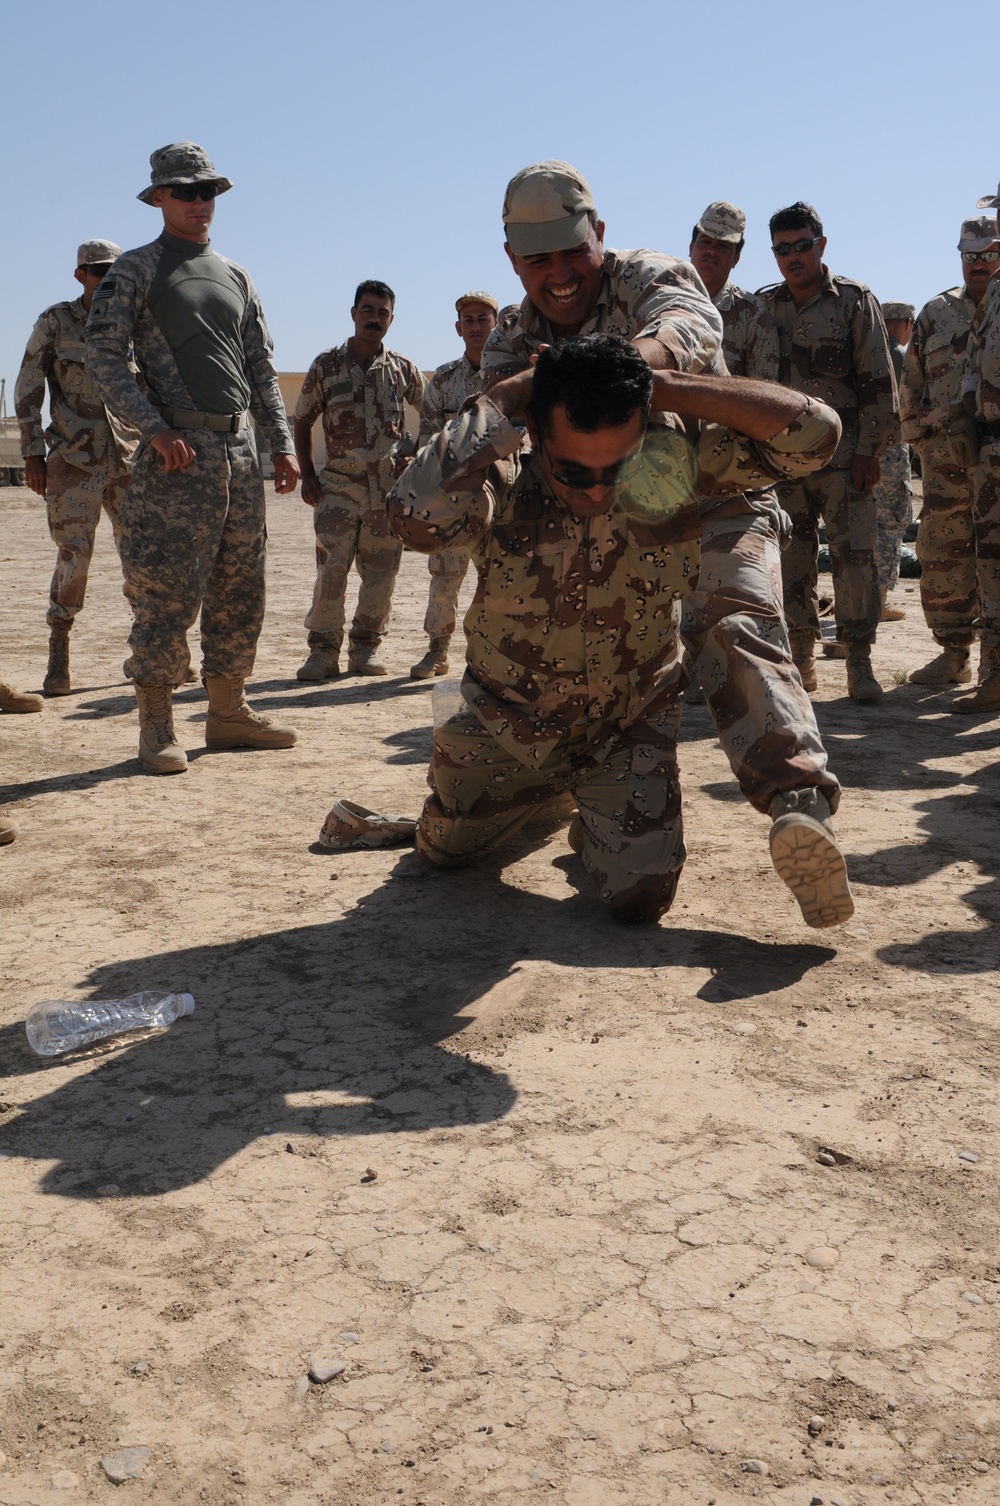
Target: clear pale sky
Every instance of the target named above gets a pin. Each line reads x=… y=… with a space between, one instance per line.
x=372 y=141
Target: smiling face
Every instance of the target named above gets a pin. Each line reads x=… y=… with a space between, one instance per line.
x=584 y=470
x=564 y=285
x=713 y=261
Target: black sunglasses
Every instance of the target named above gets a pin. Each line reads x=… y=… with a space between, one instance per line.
x=579 y=479
x=980 y=255
x=96 y=269
x=785 y=248
x=188 y=192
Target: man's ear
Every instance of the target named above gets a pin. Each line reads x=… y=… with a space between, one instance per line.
x=599 y=232
x=458 y=326
x=737 y=256
x=822 y=245
x=81 y=277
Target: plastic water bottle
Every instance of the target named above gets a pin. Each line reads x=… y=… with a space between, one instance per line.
x=59 y=1025
x=446 y=701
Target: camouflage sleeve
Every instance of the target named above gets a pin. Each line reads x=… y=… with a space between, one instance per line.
x=500 y=357
x=667 y=302
x=310 y=403
x=431 y=412
x=110 y=328
x=878 y=402
x=729 y=462
x=916 y=415
x=447 y=493
x=29 y=390
x=266 y=402
x=988 y=311
x=763 y=358
x=416 y=385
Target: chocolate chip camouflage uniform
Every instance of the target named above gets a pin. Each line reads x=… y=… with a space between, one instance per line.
x=446 y=391
x=893 y=495
x=195 y=536
x=733 y=627
x=981 y=393
x=88 y=449
x=573 y=667
x=366 y=450
x=836 y=348
x=946 y=541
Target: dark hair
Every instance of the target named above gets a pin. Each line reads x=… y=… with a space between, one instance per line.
x=794 y=217
x=600 y=379
x=698 y=231
x=380 y=289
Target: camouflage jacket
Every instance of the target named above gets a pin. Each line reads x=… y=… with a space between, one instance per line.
x=574 y=621
x=643 y=293
x=363 y=416
x=749 y=338
x=932 y=366
x=836 y=348
x=981 y=378
x=120 y=319
x=80 y=430
x=445 y=393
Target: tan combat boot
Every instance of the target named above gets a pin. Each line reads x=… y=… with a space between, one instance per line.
x=890 y=613
x=322 y=664
x=949 y=667
x=56 y=680
x=232 y=723
x=8 y=830
x=986 y=696
x=806 y=857
x=862 y=685
x=434 y=662
x=803 y=657
x=834 y=650
x=362 y=661
x=19 y=700
x=159 y=750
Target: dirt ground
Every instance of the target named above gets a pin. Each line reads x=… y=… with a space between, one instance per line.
x=548 y=1188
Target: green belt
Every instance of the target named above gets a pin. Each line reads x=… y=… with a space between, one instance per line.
x=189 y=418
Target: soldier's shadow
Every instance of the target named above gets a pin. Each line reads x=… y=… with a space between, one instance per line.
x=353 y=1011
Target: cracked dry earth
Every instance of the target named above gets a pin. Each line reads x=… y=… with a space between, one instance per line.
x=557 y=1195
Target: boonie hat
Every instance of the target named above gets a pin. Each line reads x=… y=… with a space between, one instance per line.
x=181 y=162
x=95 y=253
x=978 y=234
x=546 y=208
x=898 y=311
x=990 y=203
x=723 y=222
x=477 y=297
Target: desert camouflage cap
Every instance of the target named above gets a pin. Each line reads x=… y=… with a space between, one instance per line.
x=181 y=162
x=898 y=311
x=990 y=201
x=477 y=297
x=546 y=208
x=723 y=222
x=978 y=234
x=96 y=253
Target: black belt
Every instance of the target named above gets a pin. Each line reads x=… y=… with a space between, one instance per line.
x=989 y=431
x=190 y=418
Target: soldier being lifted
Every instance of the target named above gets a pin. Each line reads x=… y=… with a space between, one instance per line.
x=446 y=391
x=89 y=448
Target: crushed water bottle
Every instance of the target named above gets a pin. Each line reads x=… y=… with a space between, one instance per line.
x=59 y=1025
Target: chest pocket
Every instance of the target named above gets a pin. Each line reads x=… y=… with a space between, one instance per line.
x=942 y=354
x=529 y=565
x=830 y=358
x=74 y=379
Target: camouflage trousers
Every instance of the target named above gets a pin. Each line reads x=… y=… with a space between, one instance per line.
x=946 y=548
x=851 y=532
x=734 y=630
x=195 y=538
x=74 y=498
x=893 y=511
x=628 y=794
x=348 y=532
x=447 y=568
x=986 y=516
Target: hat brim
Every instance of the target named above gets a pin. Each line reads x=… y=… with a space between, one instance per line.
x=223 y=183
x=731 y=238
x=981 y=243
x=548 y=235
x=990 y=202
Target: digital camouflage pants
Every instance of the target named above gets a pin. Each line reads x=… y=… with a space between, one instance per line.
x=349 y=532
x=734 y=631
x=195 y=538
x=986 y=517
x=74 y=498
x=628 y=794
x=946 y=547
x=447 y=568
x=893 y=511
x=851 y=532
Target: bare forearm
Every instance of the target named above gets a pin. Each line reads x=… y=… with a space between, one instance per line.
x=655 y=354
x=303 y=446
x=760 y=410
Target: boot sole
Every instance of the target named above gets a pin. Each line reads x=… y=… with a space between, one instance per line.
x=428 y=674
x=917 y=679
x=230 y=744
x=56 y=689
x=367 y=670
x=152 y=768
x=807 y=859
x=318 y=679
x=969 y=708
x=867 y=697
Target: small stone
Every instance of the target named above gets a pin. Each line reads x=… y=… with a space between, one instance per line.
x=140 y=1368
x=806 y=1286
x=745 y=1027
x=325 y=1367
x=126 y=1464
x=371 y=1175
x=826 y=1159
x=980 y=1465
x=302 y=1386
x=972 y=1297
x=836 y=1501
x=967 y=1155
x=816 y=1501
x=823 y=1258
x=754 y=1467
x=64 y=1479
x=816 y=1426
x=350 y=1338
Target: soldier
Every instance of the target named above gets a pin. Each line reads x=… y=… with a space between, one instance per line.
x=89 y=449
x=929 y=390
x=981 y=405
x=834 y=345
x=554 y=240
x=446 y=391
x=360 y=389
x=193 y=526
x=582 y=548
x=893 y=491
